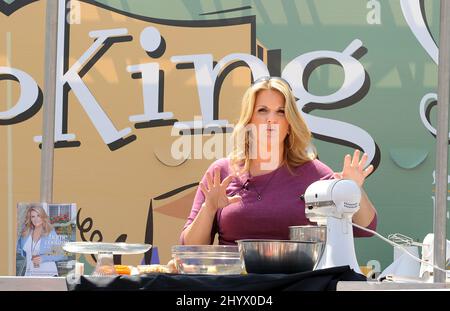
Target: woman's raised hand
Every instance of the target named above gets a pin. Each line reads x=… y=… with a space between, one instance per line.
x=215 y=191
x=354 y=168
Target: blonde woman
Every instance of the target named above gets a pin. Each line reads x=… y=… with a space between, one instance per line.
x=254 y=192
x=37 y=243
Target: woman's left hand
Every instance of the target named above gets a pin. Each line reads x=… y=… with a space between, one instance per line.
x=354 y=168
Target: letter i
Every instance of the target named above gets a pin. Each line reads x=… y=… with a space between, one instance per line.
x=154 y=44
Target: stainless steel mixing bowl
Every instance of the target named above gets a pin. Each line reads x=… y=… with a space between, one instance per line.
x=308 y=233
x=279 y=256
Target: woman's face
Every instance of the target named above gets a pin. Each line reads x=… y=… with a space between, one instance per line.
x=268 y=117
x=35 y=218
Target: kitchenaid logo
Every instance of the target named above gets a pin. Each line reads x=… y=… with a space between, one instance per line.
x=351 y=205
x=208 y=73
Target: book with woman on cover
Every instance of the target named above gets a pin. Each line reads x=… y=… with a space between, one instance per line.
x=42 y=230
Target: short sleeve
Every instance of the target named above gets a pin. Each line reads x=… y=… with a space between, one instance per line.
x=323 y=170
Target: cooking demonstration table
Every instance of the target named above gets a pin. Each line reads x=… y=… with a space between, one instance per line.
x=390 y=286
x=320 y=280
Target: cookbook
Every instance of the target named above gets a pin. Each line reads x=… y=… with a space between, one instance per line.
x=42 y=230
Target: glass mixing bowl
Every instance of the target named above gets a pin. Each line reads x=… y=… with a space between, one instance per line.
x=207 y=259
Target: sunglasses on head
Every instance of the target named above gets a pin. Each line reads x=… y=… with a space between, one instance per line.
x=266 y=79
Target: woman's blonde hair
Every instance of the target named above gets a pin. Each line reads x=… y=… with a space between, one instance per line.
x=296 y=142
x=28 y=225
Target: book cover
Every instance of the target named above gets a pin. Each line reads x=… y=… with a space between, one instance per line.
x=42 y=230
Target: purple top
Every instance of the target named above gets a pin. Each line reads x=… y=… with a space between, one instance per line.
x=269 y=218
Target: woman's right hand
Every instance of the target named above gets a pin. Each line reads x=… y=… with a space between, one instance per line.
x=215 y=191
x=36 y=259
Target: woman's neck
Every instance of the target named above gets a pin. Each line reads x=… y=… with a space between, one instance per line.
x=261 y=166
x=37 y=230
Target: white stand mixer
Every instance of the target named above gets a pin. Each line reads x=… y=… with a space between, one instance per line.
x=333 y=203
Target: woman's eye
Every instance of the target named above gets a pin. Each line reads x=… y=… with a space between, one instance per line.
x=262 y=110
x=281 y=111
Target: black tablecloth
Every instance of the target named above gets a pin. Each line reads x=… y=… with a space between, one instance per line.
x=320 y=280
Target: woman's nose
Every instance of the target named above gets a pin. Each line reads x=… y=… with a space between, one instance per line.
x=271 y=118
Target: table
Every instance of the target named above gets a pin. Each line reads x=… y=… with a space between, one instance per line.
x=320 y=280
x=390 y=286
x=30 y=283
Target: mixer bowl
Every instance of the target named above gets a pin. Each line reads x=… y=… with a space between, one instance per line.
x=279 y=256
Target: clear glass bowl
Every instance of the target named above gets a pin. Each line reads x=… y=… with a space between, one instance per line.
x=207 y=259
